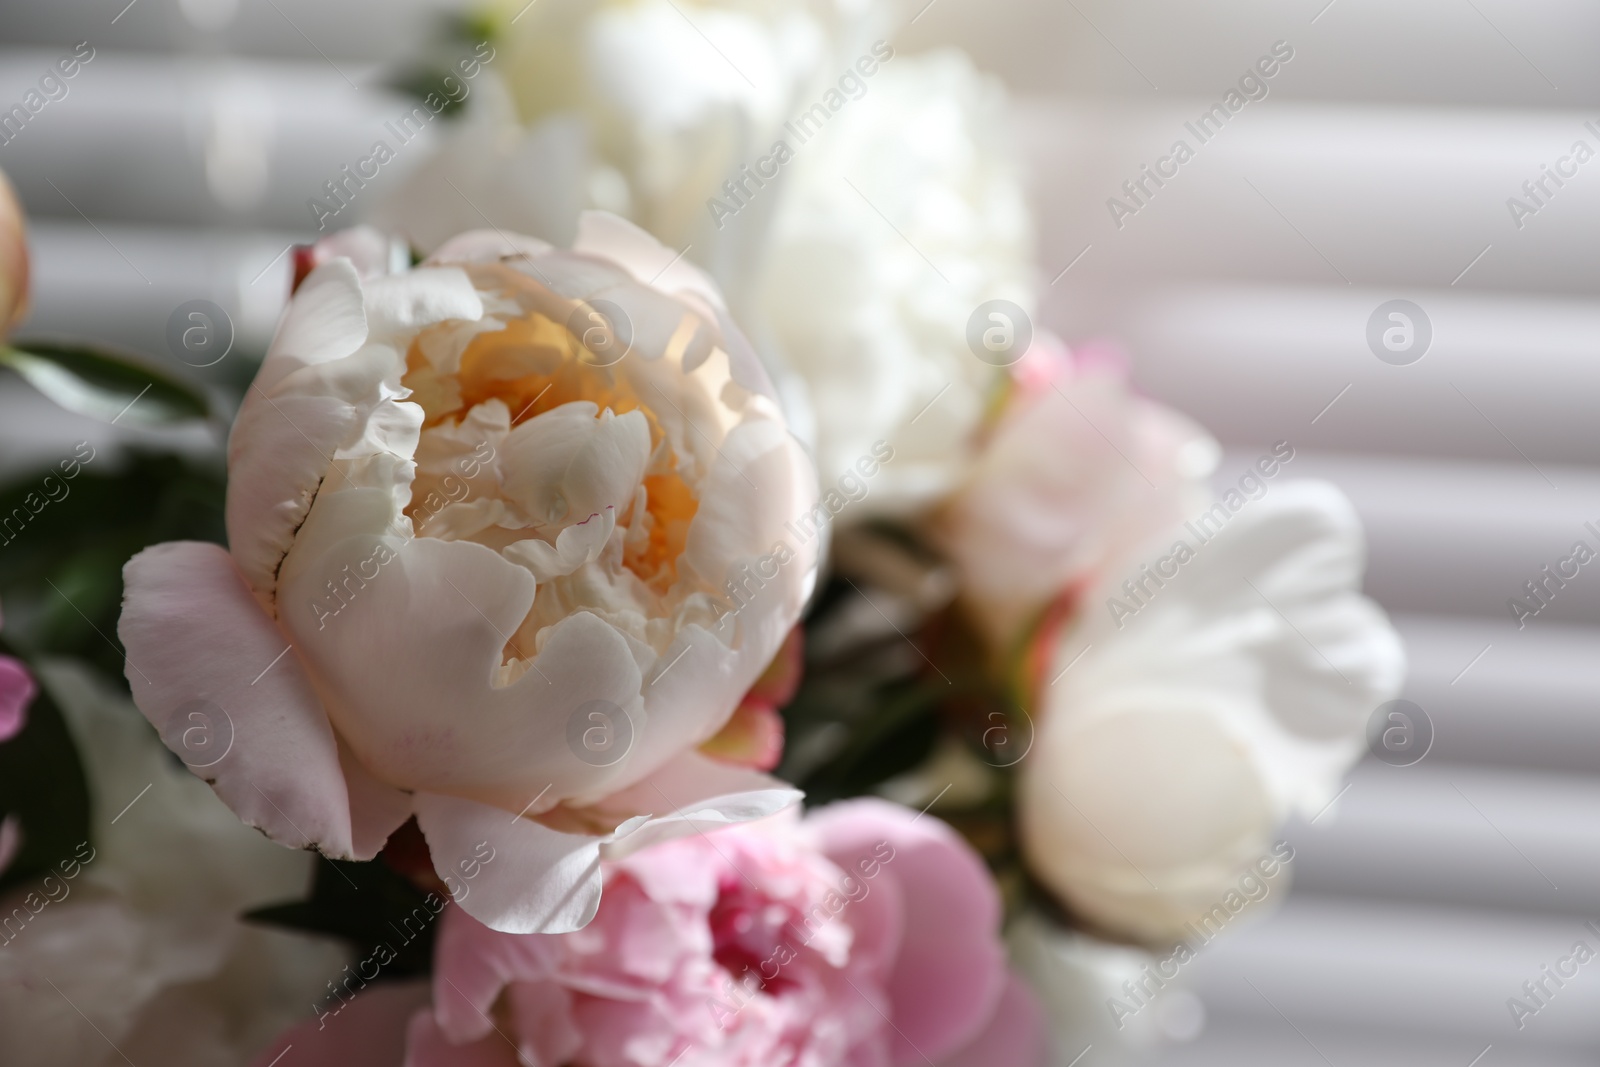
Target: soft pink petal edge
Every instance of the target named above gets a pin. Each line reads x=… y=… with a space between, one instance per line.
x=1014 y=1037
x=950 y=969
x=369 y=1031
x=203 y=656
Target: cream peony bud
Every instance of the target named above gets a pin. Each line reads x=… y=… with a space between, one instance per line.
x=13 y=258
x=506 y=544
x=1175 y=738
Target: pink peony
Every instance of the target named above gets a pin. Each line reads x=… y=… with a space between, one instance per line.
x=864 y=935
x=1078 y=467
x=17 y=690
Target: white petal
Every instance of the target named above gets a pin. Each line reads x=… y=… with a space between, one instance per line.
x=536 y=881
x=400 y=304
x=418 y=704
x=566 y=464
x=578 y=544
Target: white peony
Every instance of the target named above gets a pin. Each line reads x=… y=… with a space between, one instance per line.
x=495 y=561
x=643 y=108
x=900 y=218
x=143 y=957
x=1172 y=743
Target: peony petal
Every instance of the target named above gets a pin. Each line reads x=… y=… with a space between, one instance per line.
x=950 y=970
x=370 y=1031
x=612 y=237
x=400 y=304
x=693 y=794
x=421 y=707
x=574 y=461
x=537 y=880
x=325 y=321
x=205 y=663
x=1014 y=1036
x=580 y=543
x=752 y=737
x=472 y=964
x=488 y=246
x=279 y=452
x=427 y=1046
x=17 y=690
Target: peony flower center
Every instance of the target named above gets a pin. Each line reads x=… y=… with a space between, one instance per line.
x=746 y=932
x=531 y=447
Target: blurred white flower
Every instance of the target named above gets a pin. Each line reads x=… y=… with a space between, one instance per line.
x=146 y=943
x=639 y=107
x=899 y=219
x=1171 y=744
x=1074 y=976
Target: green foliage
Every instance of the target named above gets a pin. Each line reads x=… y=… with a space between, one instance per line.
x=104 y=384
x=61 y=559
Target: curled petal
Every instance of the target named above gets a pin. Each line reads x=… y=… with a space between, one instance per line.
x=535 y=879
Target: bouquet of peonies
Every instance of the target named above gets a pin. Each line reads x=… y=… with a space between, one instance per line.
x=684 y=614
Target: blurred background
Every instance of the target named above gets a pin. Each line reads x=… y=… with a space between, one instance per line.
x=1379 y=166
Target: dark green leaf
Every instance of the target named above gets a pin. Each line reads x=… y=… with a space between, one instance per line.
x=64 y=540
x=105 y=384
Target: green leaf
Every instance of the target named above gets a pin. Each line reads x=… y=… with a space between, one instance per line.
x=105 y=385
x=64 y=540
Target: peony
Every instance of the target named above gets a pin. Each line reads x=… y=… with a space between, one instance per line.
x=640 y=107
x=902 y=217
x=1077 y=468
x=13 y=258
x=17 y=690
x=137 y=929
x=506 y=545
x=1175 y=737
x=865 y=935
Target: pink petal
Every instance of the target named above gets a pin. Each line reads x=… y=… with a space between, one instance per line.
x=950 y=969
x=17 y=690
x=752 y=737
x=472 y=964
x=206 y=665
x=536 y=880
x=1014 y=1037
x=369 y=1031
x=426 y=1046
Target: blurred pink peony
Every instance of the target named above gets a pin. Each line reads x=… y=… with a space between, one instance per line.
x=17 y=690
x=1078 y=467
x=864 y=935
